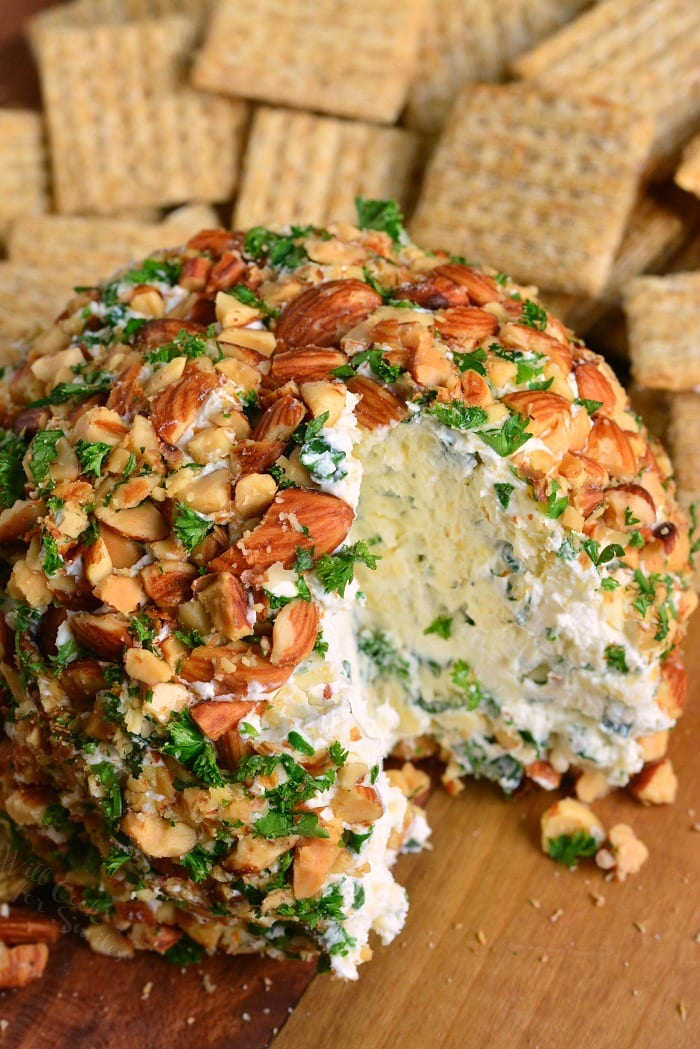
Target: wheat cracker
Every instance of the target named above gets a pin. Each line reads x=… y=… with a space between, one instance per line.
x=537 y=185
x=303 y=168
x=641 y=53
x=464 y=41
x=352 y=60
x=23 y=169
x=135 y=138
x=663 y=321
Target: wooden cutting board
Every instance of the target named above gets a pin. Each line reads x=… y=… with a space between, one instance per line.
x=502 y=949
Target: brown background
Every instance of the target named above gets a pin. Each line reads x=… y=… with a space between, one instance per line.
x=502 y=949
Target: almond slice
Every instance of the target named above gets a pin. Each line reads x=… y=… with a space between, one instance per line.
x=226 y=602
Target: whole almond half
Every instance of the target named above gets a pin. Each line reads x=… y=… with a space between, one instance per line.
x=609 y=446
x=593 y=386
x=468 y=325
x=294 y=633
x=312 y=362
x=321 y=315
x=297 y=518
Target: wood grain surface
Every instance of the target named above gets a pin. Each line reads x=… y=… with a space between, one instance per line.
x=502 y=948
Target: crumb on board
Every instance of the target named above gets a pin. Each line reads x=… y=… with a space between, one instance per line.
x=146 y=991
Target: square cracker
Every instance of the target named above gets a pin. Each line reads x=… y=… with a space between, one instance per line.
x=98 y=12
x=23 y=171
x=652 y=235
x=640 y=53
x=688 y=174
x=538 y=185
x=93 y=248
x=134 y=138
x=348 y=59
x=463 y=41
x=302 y=168
x=663 y=323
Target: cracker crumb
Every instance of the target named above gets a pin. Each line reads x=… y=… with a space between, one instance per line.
x=481 y=937
x=557 y=915
x=245 y=1017
x=543 y=958
x=641 y=927
x=190 y=1020
x=4 y=1024
x=267 y=982
x=458 y=925
x=146 y=991
x=598 y=899
x=207 y=983
x=535 y=903
x=682 y=1011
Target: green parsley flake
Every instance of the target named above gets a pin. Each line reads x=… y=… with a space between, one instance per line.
x=43 y=452
x=384 y=215
x=503 y=494
x=336 y=571
x=442 y=626
x=91 y=456
x=190 y=527
x=568 y=848
x=533 y=315
x=457 y=414
x=616 y=658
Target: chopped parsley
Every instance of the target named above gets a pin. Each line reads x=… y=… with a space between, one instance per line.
x=555 y=507
x=190 y=527
x=143 y=629
x=354 y=840
x=338 y=754
x=299 y=744
x=616 y=659
x=66 y=391
x=503 y=494
x=511 y=436
x=188 y=745
x=375 y=358
x=91 y=456
x=43 y=452
x=533 y=315
x=457 y=414
x=198 y=862
x=590 y=406
x=249 y=298
x=281 y=824
x=636 y=540
x=183 y=345
x=384 y=215
x=279 y=250
x=471 y=361
x=442 y=626
x=111 y=800
x=184 y=952
x=65 y=654
x=12 y=450
x=377 y=647
x=52 y=561
x=568 y=848
x=192 y=638
x=463 y=679
x=161 y=270
x=604 y=556
x=336 y=571
x=609 y=583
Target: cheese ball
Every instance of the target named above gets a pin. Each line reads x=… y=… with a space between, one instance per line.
x=276 y=505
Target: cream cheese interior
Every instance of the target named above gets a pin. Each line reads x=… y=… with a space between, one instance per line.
x=517 y=670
